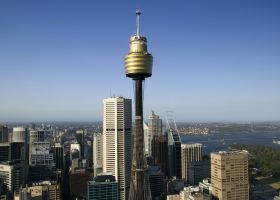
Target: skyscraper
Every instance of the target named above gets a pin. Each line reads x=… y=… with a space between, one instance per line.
x=4 y=136
x=154 y=129
x=174 y=153
x=58 y=156
x=19 y=146
x=189 y=153
x=229 y=175
x=174 y=146
x=80 y=139
x=154 y=124
x=138 y=66
x=97 y=149
x=117 y=130
x=160 y=153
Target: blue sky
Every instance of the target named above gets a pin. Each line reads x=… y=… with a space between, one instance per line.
x=215 y=60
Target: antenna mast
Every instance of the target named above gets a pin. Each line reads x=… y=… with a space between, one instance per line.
x=138 y=13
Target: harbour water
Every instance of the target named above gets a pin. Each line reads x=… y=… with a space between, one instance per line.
x=221 y=142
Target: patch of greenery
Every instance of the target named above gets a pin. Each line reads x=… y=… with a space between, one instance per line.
x=265 y=159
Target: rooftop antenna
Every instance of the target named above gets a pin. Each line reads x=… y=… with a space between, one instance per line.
x=138 y=13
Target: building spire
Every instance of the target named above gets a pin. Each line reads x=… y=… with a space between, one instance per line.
x=138 y=13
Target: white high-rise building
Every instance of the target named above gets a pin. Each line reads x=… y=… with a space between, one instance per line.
x=117 y=131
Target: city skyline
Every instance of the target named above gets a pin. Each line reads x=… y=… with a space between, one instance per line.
x=223 y=56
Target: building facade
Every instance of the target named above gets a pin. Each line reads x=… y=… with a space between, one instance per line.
x=34 y=136
x=4 y=134
x=13 y=175
x=154 y=129
x=40 y=154
x=229 y=175
x=157 y=182
x=80 y=136
x=117 y=130
x=198 y=170
x=42 y=190
x=189 y=153
x=19 y=134
x=4 y=151
x=103 y=187
x=97 y=149
x=58 y=156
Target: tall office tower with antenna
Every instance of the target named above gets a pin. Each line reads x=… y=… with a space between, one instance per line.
x=138 y=66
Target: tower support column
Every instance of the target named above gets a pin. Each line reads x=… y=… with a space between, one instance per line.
x=139 y=185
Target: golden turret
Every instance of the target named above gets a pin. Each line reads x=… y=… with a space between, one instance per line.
x=138 y=62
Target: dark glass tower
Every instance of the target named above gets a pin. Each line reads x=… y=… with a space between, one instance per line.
x=138 y=66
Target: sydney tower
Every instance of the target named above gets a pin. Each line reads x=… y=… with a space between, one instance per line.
x=138 y=66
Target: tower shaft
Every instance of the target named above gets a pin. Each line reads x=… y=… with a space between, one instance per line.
x=139 y=185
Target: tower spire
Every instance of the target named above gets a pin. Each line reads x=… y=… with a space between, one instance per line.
x=138 y=13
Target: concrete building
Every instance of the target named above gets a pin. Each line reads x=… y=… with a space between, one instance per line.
x=205 y=186
x=173 y=197
x=117 y=130
x=103 y=187
x=97 y=152
x=40 y=154
x=4 y=134
x=189 y=153
x=229 y=175
x=39 y=191
x=193 y=193
x=35 y=136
